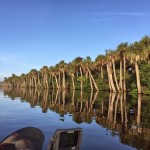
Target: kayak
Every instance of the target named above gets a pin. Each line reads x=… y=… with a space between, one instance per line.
x=29 y=138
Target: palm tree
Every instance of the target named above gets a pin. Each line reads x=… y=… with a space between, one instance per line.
x=23 y=83
x=62 y=68
x=99 y=63
x=78 y=64
x=134 y=57
x=71 y=72
x=34 y=77
x=145 y=43
x=110 y=72
x=44 y=72
x=89 y=65
x=121 y=50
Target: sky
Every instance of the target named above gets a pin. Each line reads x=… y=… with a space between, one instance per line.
x=37 y=33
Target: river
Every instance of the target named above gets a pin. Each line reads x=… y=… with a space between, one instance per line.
x=109 y=120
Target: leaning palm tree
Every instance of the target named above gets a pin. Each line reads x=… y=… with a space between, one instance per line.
x=113 y=58
x=89 y=65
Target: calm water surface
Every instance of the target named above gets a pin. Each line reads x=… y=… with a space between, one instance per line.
x=109 y=121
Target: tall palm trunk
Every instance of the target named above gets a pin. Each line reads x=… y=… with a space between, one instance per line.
x=121 y=75
x=81 y=82
x=59 y=80
x=102 y=73
x=39 y=83
x=138 y=77
x=91 y=83
x=53 y=82
x=115 y=76
x=64 y=86
x=56 y=82
x=124 y=74
x=72 y=78
x=46 y=80
x=95 y=85
x=110 y=78
x=35 y=81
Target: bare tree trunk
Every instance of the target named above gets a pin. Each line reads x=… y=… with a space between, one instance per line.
x=39 y=84
x=47 y=85
x=121 y=75
x=91 y=83
x=138 y=77
x=35 y=82
x=102 y=73
x=59 y=80
x=52 y=82
x=115 y=76
x=86 y=75
x=73 y=85
x=64 y=86
x=95 y=85
x=81 y=82
x=56 y=82
x=109 y=71
x=124 y=74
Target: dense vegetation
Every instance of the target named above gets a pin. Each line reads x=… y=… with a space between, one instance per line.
x=124 y=69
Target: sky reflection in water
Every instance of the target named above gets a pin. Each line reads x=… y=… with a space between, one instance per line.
x=104 y=118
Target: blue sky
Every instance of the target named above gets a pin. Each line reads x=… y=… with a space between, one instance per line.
x=35 y=33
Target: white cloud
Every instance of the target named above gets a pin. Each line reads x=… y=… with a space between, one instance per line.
x=13 y=60
x=126 y=13
x=118 y=13
x=107 y=16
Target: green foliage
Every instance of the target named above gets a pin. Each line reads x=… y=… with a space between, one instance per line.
x=139 y=52
x=145 y=78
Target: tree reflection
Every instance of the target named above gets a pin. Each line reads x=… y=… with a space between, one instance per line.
x=117 y=112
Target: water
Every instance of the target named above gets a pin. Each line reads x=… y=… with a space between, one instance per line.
x=109 y=121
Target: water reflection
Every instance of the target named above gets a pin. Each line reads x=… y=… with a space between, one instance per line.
x=126 y=117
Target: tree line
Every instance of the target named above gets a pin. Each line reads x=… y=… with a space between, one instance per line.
x=125 y=69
